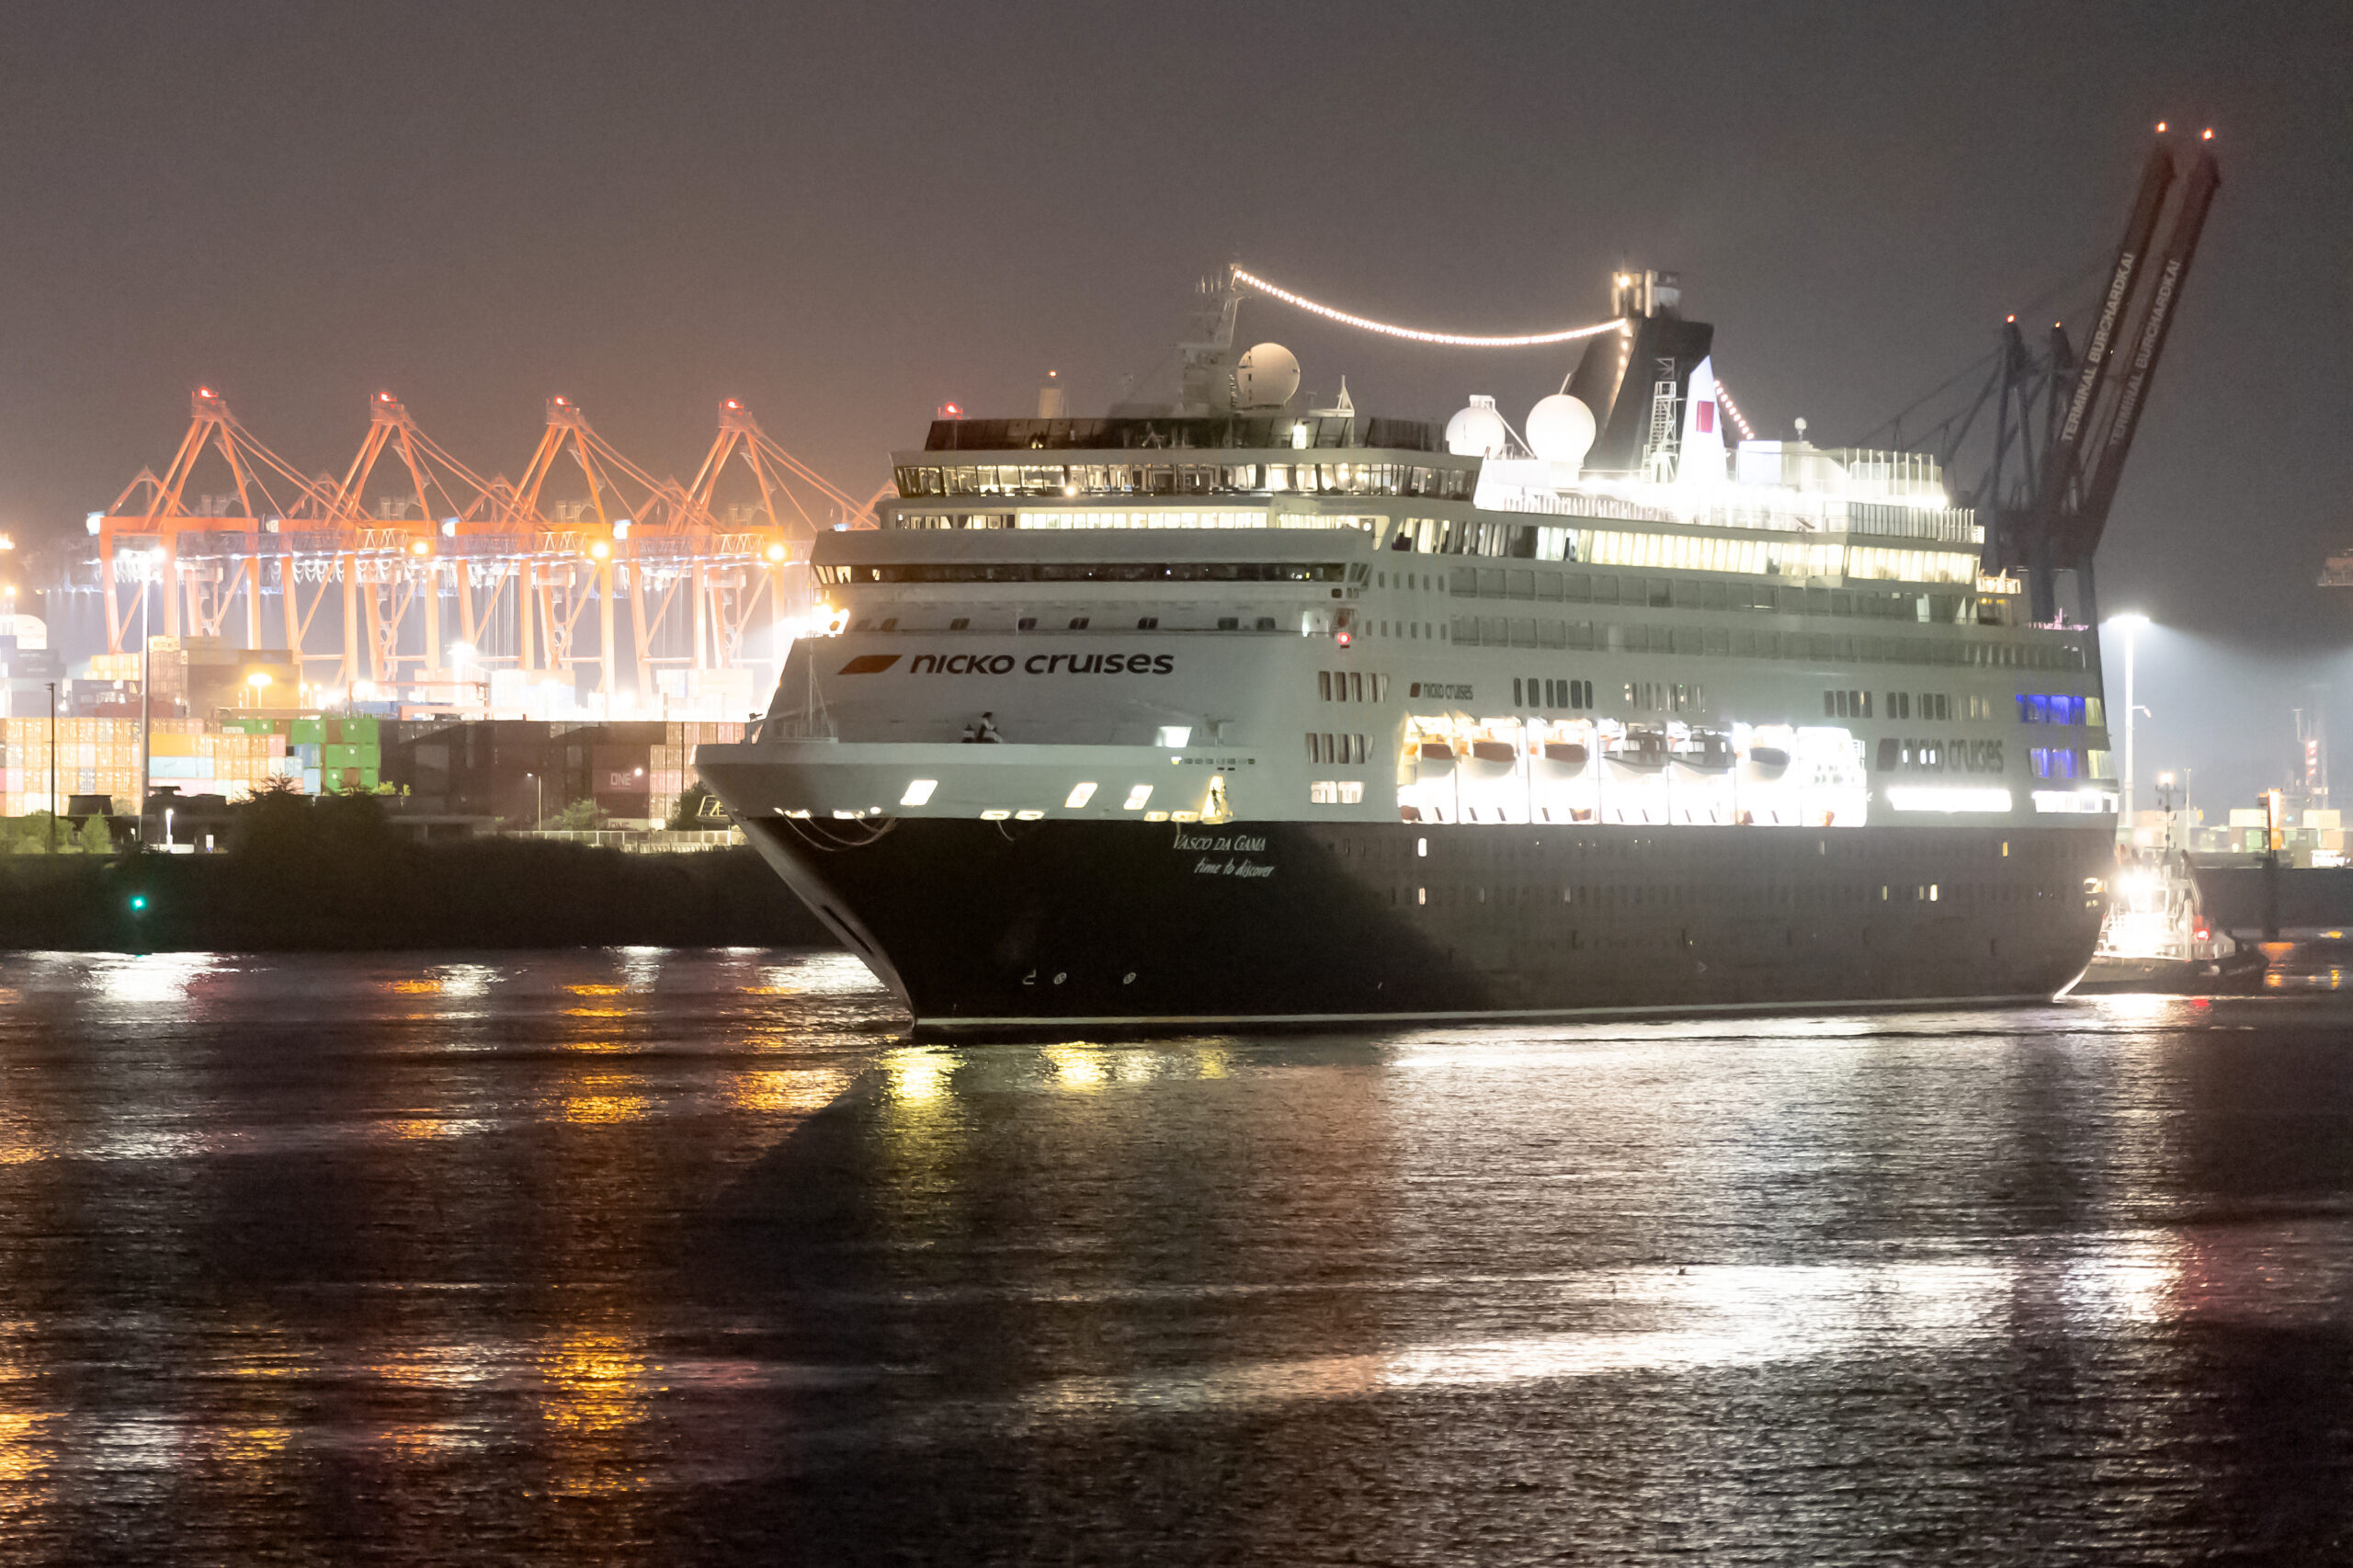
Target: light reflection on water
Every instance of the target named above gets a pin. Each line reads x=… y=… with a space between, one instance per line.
x=683 y=1255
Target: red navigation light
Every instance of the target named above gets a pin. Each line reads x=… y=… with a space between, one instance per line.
x=2013 y=320
x=2207 y=135
x=2160 y=128
x=1344 y=638
x=733 y=404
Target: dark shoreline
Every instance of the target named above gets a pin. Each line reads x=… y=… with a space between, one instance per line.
x=484 y=893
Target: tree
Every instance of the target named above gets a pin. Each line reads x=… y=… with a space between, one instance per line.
x=688 y=811
x=95 y=838
x=579 y=816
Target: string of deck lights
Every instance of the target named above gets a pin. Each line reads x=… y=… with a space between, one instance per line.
x=1725 y=397
x=1416 y=335
x=1459 y=340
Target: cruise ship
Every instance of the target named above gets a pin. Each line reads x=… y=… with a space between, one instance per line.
x=1234 y=709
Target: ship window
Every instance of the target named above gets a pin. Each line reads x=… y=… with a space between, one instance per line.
x=1324 y=792
x=892 y=624
x=960 y=623
x=1136 y=798
x=1266 y=623
x=1079 y=795
x=1148 y=623
x=1229 y=623
x=920 y=792
x=1078 y=623
x=1027 y=623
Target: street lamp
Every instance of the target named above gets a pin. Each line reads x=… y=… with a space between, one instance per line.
x=258 y=682
x=540 y=823
x=2131 y=625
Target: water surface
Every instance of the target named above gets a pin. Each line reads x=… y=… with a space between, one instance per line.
x=649 y=1256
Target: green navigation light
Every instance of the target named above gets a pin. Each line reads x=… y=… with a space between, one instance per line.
x=138 y=903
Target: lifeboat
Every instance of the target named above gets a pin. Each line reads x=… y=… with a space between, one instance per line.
x=1562 y=761
x=1490 y=761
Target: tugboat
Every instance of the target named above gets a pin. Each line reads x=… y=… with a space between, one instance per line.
x=2159 y=941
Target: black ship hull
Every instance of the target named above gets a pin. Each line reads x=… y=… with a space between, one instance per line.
x=1010 y=927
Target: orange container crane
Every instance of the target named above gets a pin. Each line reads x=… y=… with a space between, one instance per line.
x=203 y=576
x=389 y=563
x=579 y=548
x=759 y=548
x=524 y=563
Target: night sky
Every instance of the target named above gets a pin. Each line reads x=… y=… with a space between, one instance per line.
x=845 y=215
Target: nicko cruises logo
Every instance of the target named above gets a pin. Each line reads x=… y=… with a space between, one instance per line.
x=1006 y=664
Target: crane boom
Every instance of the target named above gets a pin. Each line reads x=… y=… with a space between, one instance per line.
x=2172 y=269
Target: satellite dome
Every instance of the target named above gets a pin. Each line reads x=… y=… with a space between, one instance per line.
x=1265 y=377
x=1561 y=430
x=1477 y=431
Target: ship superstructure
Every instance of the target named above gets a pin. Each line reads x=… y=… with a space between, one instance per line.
x=1234 y=708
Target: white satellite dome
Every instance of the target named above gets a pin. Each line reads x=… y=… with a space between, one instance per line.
x=1561 y=430
x=1265 y=377
x=1478 y=431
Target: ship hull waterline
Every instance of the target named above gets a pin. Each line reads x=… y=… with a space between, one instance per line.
x=988 y=930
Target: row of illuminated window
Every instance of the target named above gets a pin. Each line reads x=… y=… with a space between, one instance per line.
x=1935 y=705
x=1217 y=517
x=1694 y=593
x=1501 y=632
x=2039 y=708
x=1545 y=691
x=2069 y=762
x=1903 y=705
x=1338 y=750
x=1086 y=572
x=1185 y=479
x=920 y=792
x=890 y=623
x=1336 y=792
x=1351 y=685
x=1776 y=557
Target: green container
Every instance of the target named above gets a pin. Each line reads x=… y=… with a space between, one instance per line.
x=308 y=732
x=360 y=729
